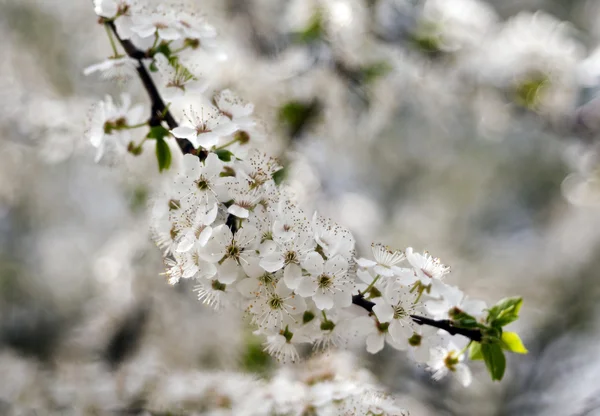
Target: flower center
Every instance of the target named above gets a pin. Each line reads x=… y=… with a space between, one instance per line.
x=233 y=251
x=451 y=361
x=275 y=302
x=399 y=312
x=324 y=281
x=202 y=183
x=291 y=257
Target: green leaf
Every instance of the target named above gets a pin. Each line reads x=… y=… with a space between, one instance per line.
x=475 y=351
x=371 y=72
x=462 y=319
x=279 y=176
x=157 y=132
x=163 y=155
x=224 y=155
x=298 y=115
x=314 y=30
x=164 y=49
x=505 y=312
x=494 y=360
x=512 y=342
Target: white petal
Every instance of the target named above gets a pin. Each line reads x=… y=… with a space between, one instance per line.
x=238 y=211
x=169 y=33
x=229 y=271
x=306 y=287
x=323 y=300
x=213 y=165
x=186 y=243
x=313 y=263
x=342 y=299
x=383 y=311
x=297 y=304
x=400 y=333
x=292 y=275
x=463 y=374
x=383 y=271
x=272 y=262
x=365 y=263
x=184 y=132
x=205 y=236
x=375 y=343
x=248 y=287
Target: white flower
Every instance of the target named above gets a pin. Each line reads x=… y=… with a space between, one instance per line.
x=458 y=23
x=193 y=226
x=281 y=347
x=243 y=195
x=162 y=22
x=276 y=307
x=193 y=265
x=376 y=332
x=385 y=260
x=195 y=27
x=120 y=68
x=452 y=297
x=445 y=360
x=233 y=108
x=332 y=238
x=213 y=294
x=424 y=269
x=120 y=11
x=204 y=131
x=200 y=182
x=177 y=79
x=395 y=307
x=258 y=168
x=107 y=127
x=288 y=254
x=231 y=251
x=327 y=283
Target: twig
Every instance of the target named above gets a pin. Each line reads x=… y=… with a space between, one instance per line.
x=446 y=325
x=159 y=110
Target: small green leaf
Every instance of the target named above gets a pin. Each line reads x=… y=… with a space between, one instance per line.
x=371 y=72
x=314 y=30
x=298 y=115
x=153 y=67
x=475 y=351
x=224 y=154
x=157 y=132
x=462 y=319
x=164 y=49
x=163 y=155
x=512 y=342
x=494 y=360
x=279 y=176
x=504 y=312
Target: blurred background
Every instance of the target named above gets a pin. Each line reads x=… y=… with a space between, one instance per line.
x=466 y=128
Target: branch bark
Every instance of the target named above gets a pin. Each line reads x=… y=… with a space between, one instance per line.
x=159 y=111
x=445 y=324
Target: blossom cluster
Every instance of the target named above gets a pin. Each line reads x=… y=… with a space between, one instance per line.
x=228 y=223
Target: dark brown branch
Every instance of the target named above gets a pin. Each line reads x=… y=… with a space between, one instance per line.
x=160 y=112
x=446 y=325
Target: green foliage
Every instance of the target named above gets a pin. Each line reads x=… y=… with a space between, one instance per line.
x=370 y=73
x=298 y=115
x=279 y=176
x=163 y=154
x=475 y=351
x=157 y=132
x=512 y=342
x=314 y=30
x=224 y=154
x=493 y=339
x=504 y=312
x=254 y=358
x=494 y=359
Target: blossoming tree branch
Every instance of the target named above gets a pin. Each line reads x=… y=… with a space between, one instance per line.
x=228 y=223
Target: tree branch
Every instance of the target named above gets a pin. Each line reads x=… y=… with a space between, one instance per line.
x=446 y=325
x=160 y=112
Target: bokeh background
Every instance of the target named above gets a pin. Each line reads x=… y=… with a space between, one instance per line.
x=468 y=130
